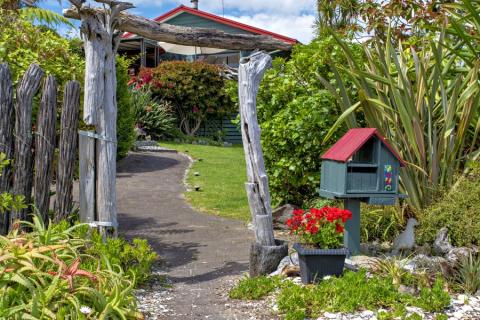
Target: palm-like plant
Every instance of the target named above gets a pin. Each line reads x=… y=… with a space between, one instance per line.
x=336 y=14
x=29 y=10
x=426 y=103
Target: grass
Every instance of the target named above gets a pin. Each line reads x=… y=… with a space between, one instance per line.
x=222 y=176
x=352 y=292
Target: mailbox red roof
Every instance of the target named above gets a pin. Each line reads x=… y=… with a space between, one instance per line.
x=352 y=141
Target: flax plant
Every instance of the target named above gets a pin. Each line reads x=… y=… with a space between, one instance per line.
x=425 y=102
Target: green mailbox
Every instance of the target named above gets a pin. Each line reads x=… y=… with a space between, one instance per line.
x=361 y=167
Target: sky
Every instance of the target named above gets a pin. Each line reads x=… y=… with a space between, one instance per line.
x=293 y=18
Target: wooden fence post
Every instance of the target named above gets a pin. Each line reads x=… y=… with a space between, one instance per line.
x=87 y=177
x=265 y=253
x=6 y=135
x=45 y=147
x=67 y=148
x=23 y=164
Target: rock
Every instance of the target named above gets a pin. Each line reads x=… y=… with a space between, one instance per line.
x=406 y=239
x=432 y=264
x=288 y=261
x=265 y=259
x=425 y=249
x=406 y=290
x=329 y=315
x=367 y=313
x=227 y=144
x=281 y=214
x=455 y=255
x=291 y=271
x=365 y=262
x=442 y=243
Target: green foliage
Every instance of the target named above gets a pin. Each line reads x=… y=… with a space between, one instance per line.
x=46 y=274
x=458 y=210
x=254 y=288
x=135 y=258
x=381 y=223
x=195 y=89
x=426 y=103
x=295 y=113
x=354 y=291
x=44 y=16
x=22 y=43
x=467 y=276
x=125 y=113
x=155 y=117
x=8 y=201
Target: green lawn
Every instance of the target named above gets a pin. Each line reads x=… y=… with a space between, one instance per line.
x=222 y=178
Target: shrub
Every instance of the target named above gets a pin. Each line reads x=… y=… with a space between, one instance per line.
x=467 y=276
x=155 y=117
x=125 y=114
x=48 y=274
x=381 y=223
x=22 y=43
x=458 y=210
x=195 y=89
x=8 y=201
x=295 y=112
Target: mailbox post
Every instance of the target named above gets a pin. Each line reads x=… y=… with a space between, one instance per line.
x=361 y=167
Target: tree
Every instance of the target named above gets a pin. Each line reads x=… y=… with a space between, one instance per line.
x=336 y=14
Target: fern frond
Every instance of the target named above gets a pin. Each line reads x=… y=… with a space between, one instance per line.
x=44 y=16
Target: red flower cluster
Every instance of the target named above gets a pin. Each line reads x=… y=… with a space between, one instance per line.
x=313 y=219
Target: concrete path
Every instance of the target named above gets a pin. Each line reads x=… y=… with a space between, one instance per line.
x=200 y=254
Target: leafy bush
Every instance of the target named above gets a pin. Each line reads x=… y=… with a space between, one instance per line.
x=295 y=113
x=195 y=89
x=8 y=201
x=125 y=113
x=135 y=258
x=47 y=274
x=22 y=43
x=381 y=223
x=458 y=210
x=155 y=117
x=254 y=288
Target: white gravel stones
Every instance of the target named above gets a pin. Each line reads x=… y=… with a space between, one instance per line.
x=152 y=297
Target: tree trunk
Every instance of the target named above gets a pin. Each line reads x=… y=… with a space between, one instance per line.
x=100 y=109
x=6 y=136
x=45 y=147
x=265 y=253
x=201 y=37
x=23 y=165
x=67 y=147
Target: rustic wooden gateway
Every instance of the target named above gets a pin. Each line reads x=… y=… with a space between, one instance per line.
x=101 y=29
x=361 y=167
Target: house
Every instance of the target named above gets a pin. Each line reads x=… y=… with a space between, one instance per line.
x=151 y=53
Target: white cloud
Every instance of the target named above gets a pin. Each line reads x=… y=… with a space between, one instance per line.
x=298 y=27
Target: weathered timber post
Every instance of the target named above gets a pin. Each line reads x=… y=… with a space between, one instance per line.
x=67 y=147
x=100 y=108
x=45 y=147
x=23 y=165
x=265 y=253
x=6 y=135
x=86 y=149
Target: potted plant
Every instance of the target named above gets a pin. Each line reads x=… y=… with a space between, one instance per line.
x=320 y=247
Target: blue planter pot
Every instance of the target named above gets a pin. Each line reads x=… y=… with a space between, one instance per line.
x=318 y=263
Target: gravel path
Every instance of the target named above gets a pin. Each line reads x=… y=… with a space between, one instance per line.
x=201 y=255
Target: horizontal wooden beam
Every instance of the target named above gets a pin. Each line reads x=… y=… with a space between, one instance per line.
x=188 y=36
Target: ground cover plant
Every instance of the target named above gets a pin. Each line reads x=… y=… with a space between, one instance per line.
x=53 y=273
x=354 y=291
x=221 y=179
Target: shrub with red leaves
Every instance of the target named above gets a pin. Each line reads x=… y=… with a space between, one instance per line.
x=322 y=228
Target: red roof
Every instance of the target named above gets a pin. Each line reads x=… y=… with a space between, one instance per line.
x=225 y=21
x=352 y=141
